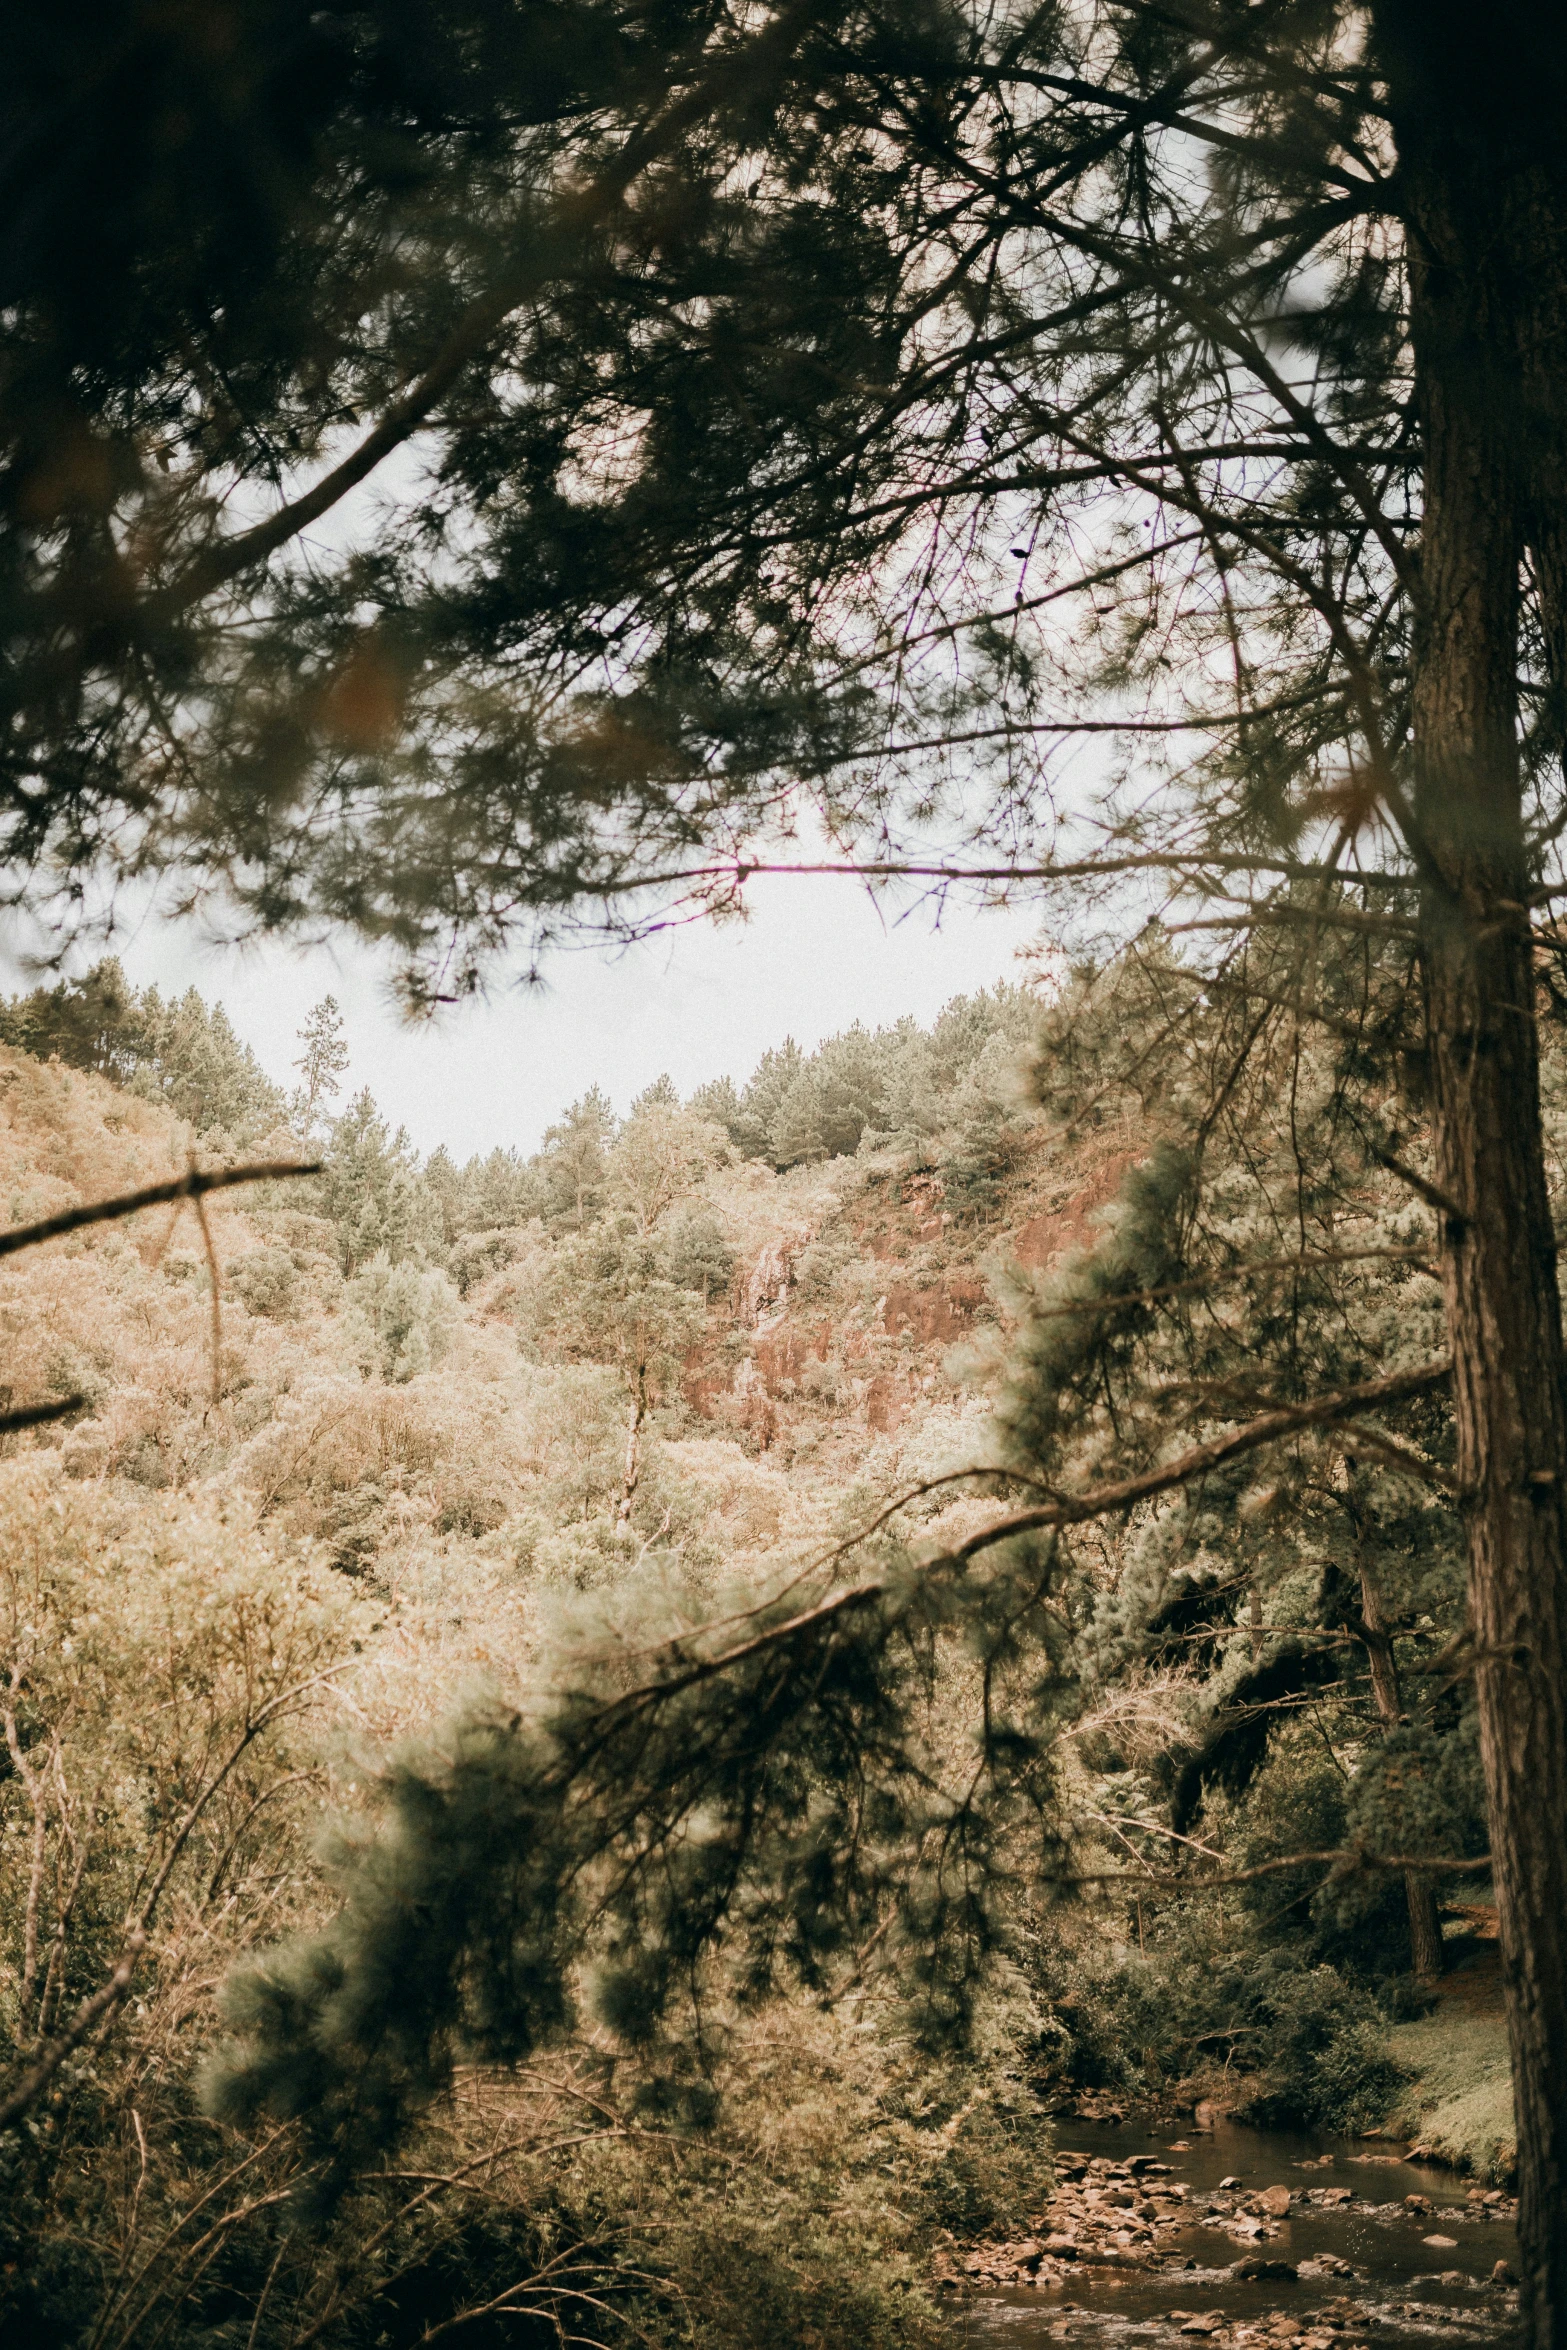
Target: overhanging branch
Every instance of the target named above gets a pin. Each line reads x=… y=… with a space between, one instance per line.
x=551 y=245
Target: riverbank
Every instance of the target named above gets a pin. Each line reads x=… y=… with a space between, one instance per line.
x=1458 y=2106
x=1442 y=2084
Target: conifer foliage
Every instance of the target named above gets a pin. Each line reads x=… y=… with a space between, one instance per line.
x=184 y=1054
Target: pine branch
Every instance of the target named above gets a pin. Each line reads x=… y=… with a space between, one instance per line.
x=552 y=245
x=735 y=872
x=1063 y=1510
x=1343 y=1861
x=1322 y=1411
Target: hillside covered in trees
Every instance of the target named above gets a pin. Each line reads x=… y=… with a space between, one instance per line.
x=453 y=1449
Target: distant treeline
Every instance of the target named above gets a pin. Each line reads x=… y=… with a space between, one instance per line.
x=183 y=1053
x=946 y=1096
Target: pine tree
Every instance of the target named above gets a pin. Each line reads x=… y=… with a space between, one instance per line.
x=323 y=1058
x=572 y=1163
x=184 y=1054
x=93 y=1023
x=372 y=1190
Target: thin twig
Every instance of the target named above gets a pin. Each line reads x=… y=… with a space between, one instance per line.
x=216 y=1279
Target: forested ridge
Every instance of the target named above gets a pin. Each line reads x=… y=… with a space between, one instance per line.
x=337 y=1604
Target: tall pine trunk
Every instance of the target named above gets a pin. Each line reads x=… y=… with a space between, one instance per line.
x=1425 y=1924
x=632 y=1474
x=1478 y=208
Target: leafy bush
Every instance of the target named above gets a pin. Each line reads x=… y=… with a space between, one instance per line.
x=1207 y=2009
x=402 y=1319
x=1323 y=2053
x=266 y=1281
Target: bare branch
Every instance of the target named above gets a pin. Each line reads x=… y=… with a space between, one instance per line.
x=1323 y=1410
x=38 y=1415
x=130 y=1203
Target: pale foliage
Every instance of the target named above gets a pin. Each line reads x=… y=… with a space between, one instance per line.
x=392 y=1485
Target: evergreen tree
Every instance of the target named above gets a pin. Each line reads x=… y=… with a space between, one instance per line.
x=828 y=1105
x=323 y=1058
x=93 y=1023
x=763 y=1097
x=613 y=1299
x=405 y=1314
x=719 y=1103
x=183 y=1054
x=193 y=1061
x=490 y=1194
x=696 y=1253
x=571 y=1165
x=372 y=1190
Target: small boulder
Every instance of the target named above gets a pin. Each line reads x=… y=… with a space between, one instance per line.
x=1441 y=2243
x=1256 y=2269
x=1275 y=2201
x=1502 y=2274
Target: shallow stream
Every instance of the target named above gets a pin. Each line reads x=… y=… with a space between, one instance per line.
x=1365 y=2272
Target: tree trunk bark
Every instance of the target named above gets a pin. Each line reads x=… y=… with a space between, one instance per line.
x=1427 y=1955
x=633 y=1468
x=1472 y=240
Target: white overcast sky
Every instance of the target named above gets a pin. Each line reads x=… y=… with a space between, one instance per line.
x=815 y=956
